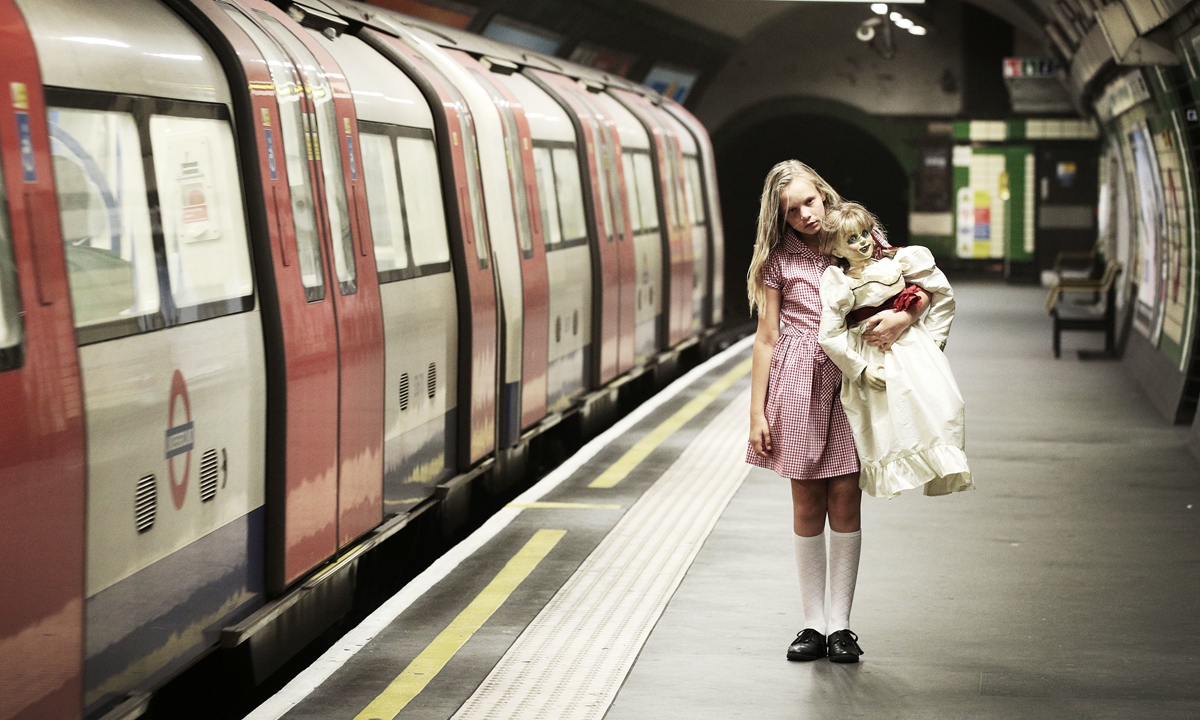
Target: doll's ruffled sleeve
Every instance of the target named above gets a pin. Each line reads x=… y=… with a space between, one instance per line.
x=837 y=300
x=918 y=268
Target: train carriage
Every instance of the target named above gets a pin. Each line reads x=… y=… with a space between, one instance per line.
x=299 y=273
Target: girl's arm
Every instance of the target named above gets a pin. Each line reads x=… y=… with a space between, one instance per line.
x=919 y=268
x=886 y=327
x=760 y=371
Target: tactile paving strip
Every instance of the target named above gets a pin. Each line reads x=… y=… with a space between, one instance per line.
x=571 y=660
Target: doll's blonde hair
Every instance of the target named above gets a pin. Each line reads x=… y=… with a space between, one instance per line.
x=849 y=218
x=771 y=221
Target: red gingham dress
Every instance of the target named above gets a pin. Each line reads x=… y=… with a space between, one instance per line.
x=810 y=436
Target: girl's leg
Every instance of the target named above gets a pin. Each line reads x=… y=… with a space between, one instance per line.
x=845 y=542
x=809 y=507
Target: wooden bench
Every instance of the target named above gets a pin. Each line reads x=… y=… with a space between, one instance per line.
x=1098 y=315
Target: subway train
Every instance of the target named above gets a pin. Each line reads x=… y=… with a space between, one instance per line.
x=274 y=276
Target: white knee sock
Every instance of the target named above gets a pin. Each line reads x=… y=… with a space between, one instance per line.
x=843 y=574
x=810 y=566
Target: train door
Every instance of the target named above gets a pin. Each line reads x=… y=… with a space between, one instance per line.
x=151 y=209
x=412 y=258
x=692 y=214
x=500 y=187
x=637 y=183
x=42 y=454
x=677 y=275
x=569 y=261
x=462 y=189
x=518 y=146
x=612 y=256
x=333 y=131
x=709 y=202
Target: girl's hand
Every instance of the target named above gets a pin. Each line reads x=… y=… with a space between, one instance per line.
x=760 y=436
x=885 y=328
x=872 y=376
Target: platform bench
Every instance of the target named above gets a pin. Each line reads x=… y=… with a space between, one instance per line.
x=1100 y=315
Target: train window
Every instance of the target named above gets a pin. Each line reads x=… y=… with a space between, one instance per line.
x=570 y=194
x=691 y=165
x=512 y=152
x=328 y=150
x=203 y=223
x=631 y=193
x=11 y=327
x=293 y=126
x=544 y=168
x=105 y=217
x=647 y=202
x=383 y=200
x=423 y=200
x=605 y=201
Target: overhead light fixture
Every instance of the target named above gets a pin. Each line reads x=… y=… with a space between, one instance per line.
x=904 y=23
x=879 y=8
x=917 y=30
x=895 y=16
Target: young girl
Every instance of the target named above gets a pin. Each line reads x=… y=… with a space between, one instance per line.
x=903 y=405
x=797 y=426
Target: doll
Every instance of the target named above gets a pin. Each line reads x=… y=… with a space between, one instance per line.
x=902 y=402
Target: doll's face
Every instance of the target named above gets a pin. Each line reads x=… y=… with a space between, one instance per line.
x=803 y=207
x=857 y=248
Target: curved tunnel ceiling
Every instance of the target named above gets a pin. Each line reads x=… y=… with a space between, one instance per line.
x=740 y=19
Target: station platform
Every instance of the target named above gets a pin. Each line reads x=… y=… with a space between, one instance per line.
x=651 y=576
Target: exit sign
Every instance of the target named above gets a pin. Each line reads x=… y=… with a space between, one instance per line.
x=1029 y=67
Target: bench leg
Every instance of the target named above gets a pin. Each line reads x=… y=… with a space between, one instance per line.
x=1057 y=339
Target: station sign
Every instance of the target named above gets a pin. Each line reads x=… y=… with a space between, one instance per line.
x=1016 y=67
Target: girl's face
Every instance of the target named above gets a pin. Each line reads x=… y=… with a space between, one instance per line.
x=856 y=248
x=802 y=207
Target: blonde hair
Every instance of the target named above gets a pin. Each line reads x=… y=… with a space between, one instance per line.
x=771 y=222
x=847 y=219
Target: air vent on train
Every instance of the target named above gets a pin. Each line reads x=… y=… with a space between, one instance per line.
x=209 y=470
x=145 y=503
x=431 y=381
x=403 y=391
x=575 y=323
x=558 y=329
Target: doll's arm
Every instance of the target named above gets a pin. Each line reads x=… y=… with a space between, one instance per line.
x=837 y=300
x=919 y=269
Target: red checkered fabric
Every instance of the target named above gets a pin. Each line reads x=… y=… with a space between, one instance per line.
x=810 y=437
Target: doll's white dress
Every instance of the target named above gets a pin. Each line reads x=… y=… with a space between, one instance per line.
x=912 y=433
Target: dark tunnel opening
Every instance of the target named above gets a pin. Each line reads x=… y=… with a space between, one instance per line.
x=857 y=165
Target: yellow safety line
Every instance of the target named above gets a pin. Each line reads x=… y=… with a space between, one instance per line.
x=409 y=683
x=636 y=454
x=563 y=506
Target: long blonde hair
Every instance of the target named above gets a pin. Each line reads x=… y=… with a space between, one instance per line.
x=771 y=222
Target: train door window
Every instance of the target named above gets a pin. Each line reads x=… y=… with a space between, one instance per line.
x=631 y=192
x=105 y=219
x=605 y=200
x=420 y=180
x=647 y=203
x=570 y=194
x=512 y=153
x=327 y=149
x=696 y=189
x=203 y=223
x=293 y=125
x=384 y=202
x=544 y=168
x=11 y=328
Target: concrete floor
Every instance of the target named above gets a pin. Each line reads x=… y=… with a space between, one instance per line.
x=1066 y=586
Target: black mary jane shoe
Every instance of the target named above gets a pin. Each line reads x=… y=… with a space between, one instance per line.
x=808 y=645
x=843 y=647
